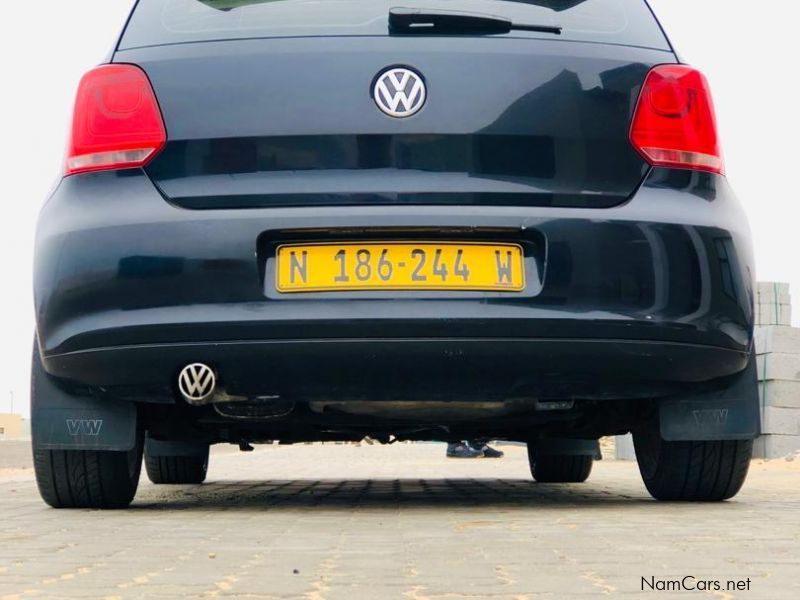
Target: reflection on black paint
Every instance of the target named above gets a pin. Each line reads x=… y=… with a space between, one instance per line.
x=728 y=267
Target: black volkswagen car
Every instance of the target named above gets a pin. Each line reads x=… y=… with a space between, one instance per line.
x=321 y=220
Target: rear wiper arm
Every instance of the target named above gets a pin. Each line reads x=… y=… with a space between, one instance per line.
x=427 y=21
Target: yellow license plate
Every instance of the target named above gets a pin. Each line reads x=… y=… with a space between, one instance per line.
x=399 y=266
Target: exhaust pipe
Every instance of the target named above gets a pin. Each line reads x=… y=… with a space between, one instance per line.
x=197 y=383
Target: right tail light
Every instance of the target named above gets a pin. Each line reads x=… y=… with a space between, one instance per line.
x=674 y=124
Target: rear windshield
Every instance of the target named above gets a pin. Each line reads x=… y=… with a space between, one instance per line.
x=157 y=22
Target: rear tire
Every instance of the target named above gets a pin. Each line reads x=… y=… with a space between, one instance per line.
x=88 y=478
x=710 y=471
x=177 y=470
x=80 y=478
x=559 y=468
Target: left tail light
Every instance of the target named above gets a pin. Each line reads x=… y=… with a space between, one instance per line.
x=117 y=123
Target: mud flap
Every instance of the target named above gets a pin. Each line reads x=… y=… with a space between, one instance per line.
x=729 y=414
x=62 y=421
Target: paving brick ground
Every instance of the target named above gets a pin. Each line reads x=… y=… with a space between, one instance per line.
x=341 y=522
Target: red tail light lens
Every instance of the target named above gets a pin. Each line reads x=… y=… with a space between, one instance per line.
x=674 y=124
x=117 y=123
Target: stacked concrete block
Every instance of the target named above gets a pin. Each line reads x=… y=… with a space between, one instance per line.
x=773 y=304
x=624 y=448
x=778 y=349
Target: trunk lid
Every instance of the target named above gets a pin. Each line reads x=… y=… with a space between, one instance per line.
x=291 y=121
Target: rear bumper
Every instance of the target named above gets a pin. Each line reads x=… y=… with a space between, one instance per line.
x=486 y=370
x=652 y=295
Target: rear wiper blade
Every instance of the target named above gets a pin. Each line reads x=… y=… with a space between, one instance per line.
x=427 y=21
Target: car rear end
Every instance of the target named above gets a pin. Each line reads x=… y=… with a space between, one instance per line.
x=534 y=239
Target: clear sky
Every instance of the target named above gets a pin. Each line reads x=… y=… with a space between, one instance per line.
x=747 y=50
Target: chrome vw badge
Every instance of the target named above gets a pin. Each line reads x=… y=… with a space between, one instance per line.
x=399 y=92
x=197 y=382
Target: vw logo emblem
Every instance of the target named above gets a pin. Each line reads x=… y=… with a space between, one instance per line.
x=399 y=92
x=197 y=382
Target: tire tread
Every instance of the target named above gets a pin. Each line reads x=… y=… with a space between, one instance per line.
x=86 y=478
x=560 y=468
x=176 y=470
x=697 y=471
